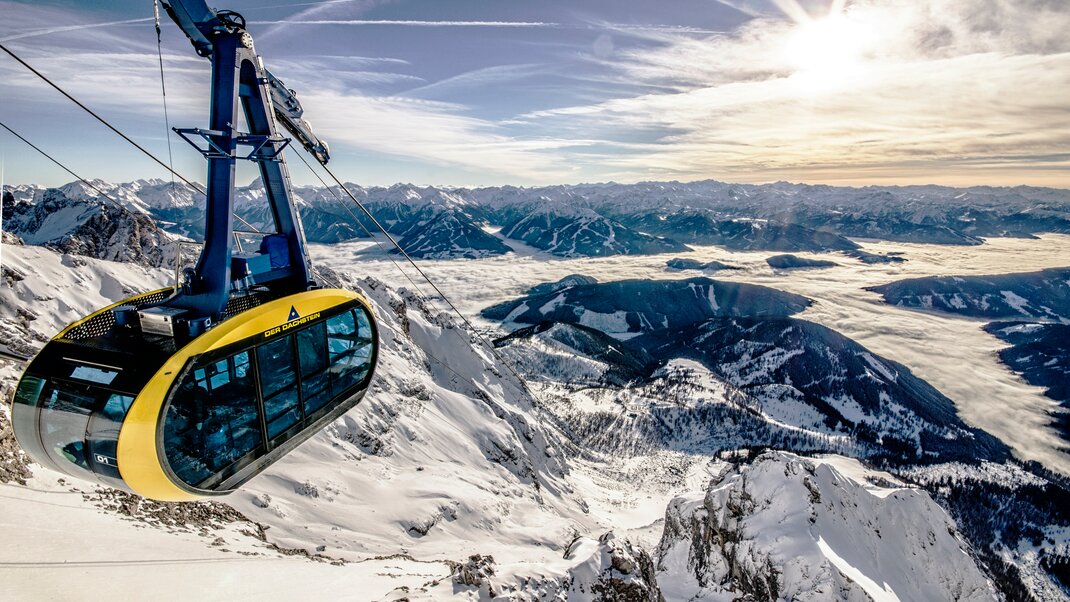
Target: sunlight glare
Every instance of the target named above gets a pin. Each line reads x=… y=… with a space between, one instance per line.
x=828 y=52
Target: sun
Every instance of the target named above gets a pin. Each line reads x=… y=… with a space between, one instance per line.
x=828 y=52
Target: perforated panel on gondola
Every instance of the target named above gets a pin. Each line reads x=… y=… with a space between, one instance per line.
x=102 y=323
x=236 y=305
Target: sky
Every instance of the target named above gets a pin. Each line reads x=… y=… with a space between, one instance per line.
x=493 y=92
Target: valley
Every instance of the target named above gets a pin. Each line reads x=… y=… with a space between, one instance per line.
x=662 y=382
x=968 y=371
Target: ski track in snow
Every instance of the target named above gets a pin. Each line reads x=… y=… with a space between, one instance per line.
x=952 y=353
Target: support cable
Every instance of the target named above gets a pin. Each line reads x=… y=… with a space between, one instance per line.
x=99 y=118
x=341 y=203
x=65 y=168
x=471 y=327
x=456 y=375
x=163 y=90
x=192 y=185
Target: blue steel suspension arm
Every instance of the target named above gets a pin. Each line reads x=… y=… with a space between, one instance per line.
x=200 y=23
x=240 y=80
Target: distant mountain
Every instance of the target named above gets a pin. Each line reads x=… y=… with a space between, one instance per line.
x=791 y=262
x=650 y=217
x=566 y=282
x=705 y=228
x=448 y=235
x=799 y=373
x=678 y=263
x=578 y=232
x=925 y=214
x=1041 y=354
x=630 y=307
x=808 y=375
x=883 y=215
x=1041 y=295
x=82 y=225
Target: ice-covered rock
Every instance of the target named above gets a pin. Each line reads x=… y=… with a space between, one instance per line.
x=90 y=227
x=792 y=528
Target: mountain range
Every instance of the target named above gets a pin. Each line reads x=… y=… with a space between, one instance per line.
x=676 y=439
x=592 y=220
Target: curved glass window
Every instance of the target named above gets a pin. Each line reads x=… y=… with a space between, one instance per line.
x=76 y=427
x=64 y=417
x=315 y=379
x=218 y=421
x=350 y=342
x=212 y=420
x=278 y=384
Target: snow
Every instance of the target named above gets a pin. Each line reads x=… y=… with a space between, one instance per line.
x=880 y=367
x=611 y=324
x=816 y=531
x=439 y=462
x=879 y=593
x=1016 y=301
x=952 y=353
x=49 y=291
x=876 y=482
x=71 y=550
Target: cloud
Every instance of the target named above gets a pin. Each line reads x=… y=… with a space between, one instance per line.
x=417 y=130
x=428 y=132
x=495 y=75
x=965 y=90
x=953 y=91
x=318 y=8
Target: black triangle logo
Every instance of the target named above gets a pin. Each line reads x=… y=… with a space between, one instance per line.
x=293 y=314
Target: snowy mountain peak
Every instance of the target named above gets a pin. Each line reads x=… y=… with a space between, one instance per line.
x=793 y=528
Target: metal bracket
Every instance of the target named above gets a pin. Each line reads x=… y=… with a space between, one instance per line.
x=256 y=141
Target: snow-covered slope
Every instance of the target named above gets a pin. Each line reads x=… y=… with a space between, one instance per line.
x=42 y=291
x=810 y=376
x=794 y=372
x=580 y=232
x=791 y=528
x=447 y=483
x=444 y=458
x=72 y=222
x=1044 y=295
x=450 y=235
x=630 y=307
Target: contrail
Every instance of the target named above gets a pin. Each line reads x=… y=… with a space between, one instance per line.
x=414 y=23
x=299 y=4
x=42 y=32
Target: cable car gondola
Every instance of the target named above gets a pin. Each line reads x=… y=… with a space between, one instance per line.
x=191 y=391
